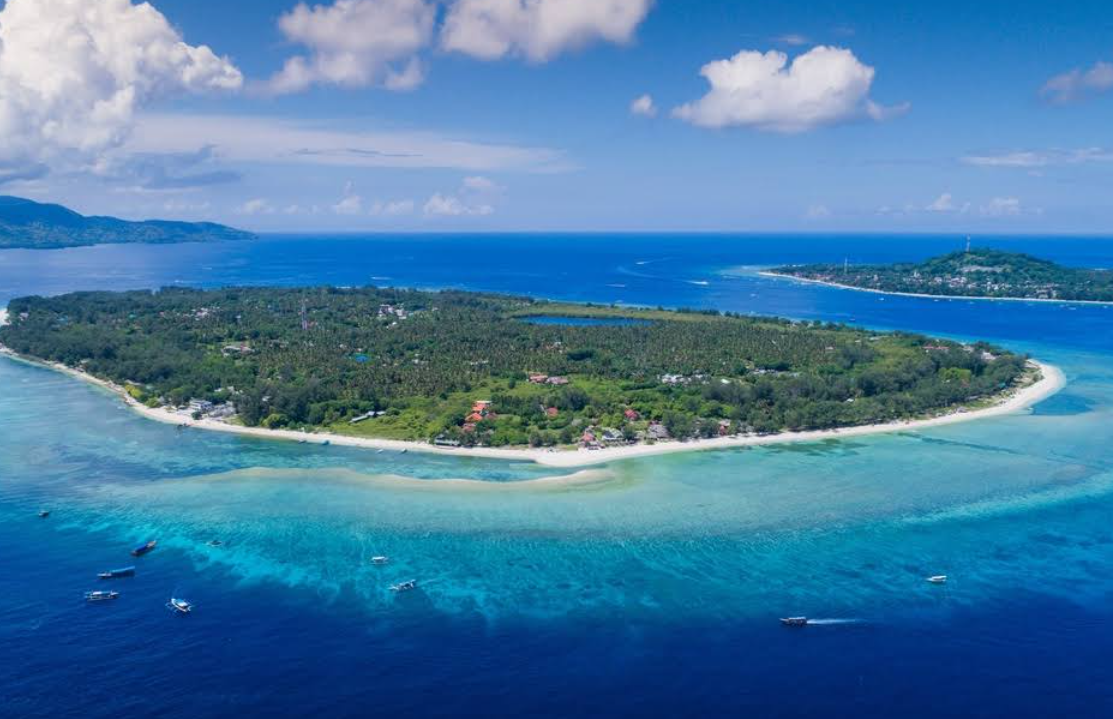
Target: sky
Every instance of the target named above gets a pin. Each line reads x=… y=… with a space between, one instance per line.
x=565 y=115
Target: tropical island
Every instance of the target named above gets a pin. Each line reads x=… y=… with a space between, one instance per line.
x=983 y=273
x=26 y=224
x=462 y=369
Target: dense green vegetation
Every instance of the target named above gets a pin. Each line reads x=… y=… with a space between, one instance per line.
x=976 y=273
x=28 y=224
x=420 y=361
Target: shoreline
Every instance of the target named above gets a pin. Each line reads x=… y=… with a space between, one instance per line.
x=923 y=295
x=1051 y=381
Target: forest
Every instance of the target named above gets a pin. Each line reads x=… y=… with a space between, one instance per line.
x=477 y=369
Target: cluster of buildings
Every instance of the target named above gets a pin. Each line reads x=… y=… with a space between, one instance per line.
x=392 y=312
x=204 y=409
x=538 y=378
x=480 y=410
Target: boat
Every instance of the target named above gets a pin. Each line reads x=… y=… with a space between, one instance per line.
x=143 y=548
x=795 y=621
x=100 y=596
x=326 y=443
x=215 y=543
x=43 y=514
x=117 y=573
x=404 y=586
x=380 y=560
x=180 y=606
x=938 y=579
x=405 y=450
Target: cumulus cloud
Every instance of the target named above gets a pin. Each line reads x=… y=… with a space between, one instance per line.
x=817 y=212
x=257 y=206
x=823 y=86
x=1002 y=207
x=1078 y=84
x=73 y=74
x=537 y=29
x=356 y=43
x=1035 y=159
x=943 y=203
x=392 y=208
x=350 y=203
x=643 y=106
x=451 y=206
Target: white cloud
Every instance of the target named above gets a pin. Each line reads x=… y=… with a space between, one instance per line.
x=792 y=38
x=451 y=206
x=943 y=203
x=392 y=208
x=1077 y=84
x=823 y=86
x=479 y=183
x=817 y=212
x=356 y=43
x=332 y=143
x=350 y=203
x=258 y=206
x=643 y=106
x=1002 y=207
x=537 y=29
x=73 y=73
x=1030 y=159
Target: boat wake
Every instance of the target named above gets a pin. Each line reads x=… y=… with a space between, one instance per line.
x=833 y=622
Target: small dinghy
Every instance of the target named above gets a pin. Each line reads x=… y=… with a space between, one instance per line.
x=117 y=573
x=404 y=586
x=179 y=606
x=100 y=596
x=938 y=579
x=379 y=561
x=143 y=548
x=795 y=621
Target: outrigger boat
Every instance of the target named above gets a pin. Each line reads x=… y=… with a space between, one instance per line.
x=404 y=586
x=795 y=621
x=380 y=560
x=143 y=548
x=117 y=573
x=100 y=596
x=938 y=579
x=180 y=606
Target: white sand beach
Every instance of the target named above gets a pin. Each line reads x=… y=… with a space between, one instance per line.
x=1050 y=382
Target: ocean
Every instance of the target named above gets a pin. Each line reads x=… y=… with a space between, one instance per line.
x=653 y=592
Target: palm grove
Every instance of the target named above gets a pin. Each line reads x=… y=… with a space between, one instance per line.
x=414 y=365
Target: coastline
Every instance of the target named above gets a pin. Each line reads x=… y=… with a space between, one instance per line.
x=922 y=295
x=1051 y=381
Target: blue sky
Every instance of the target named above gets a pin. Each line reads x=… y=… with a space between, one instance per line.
x=488 y=115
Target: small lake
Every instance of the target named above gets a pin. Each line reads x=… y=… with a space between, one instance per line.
x=586 y=321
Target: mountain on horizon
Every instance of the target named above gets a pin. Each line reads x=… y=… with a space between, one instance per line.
x=34 y=225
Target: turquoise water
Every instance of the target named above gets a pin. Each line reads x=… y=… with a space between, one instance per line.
x=646 y=586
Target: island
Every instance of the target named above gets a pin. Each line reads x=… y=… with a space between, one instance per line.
x=456 y=369
x=977 y=273
x=26 y=224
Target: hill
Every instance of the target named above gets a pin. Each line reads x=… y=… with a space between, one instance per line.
x=34 y=225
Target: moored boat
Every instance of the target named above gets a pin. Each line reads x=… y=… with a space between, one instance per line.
x=100 y=596
x=117 y=573
x=180 y=606
x=795 y=621
x=143 y=548
x=404 y=586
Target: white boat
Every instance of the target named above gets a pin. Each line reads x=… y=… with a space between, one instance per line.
x=100 y=596
x=180 y=606
x=795 y=621
x=404 y=586
x=380 y=560
x=938 y=579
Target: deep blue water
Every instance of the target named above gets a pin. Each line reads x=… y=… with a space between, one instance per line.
x=653 y=592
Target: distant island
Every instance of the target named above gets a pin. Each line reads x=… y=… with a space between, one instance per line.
x=25 y=224
x=463 y=369
x=974 y=273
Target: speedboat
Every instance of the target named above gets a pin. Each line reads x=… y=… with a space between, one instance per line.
x=380 y=560
x=100 y=596
x=117 y=573
x=180 y=606
x=795 y=621
x=404 y=586
x=143 y=548
x=938 y=579
x=43 y=514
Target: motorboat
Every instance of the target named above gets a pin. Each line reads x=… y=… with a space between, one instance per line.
x=180 y=606
x=43 y=514
x=100 y=596
x=404 y=586
x=143 y=548
x=380 y=560
x=938 y=579
x=215 y=543
x=795 y=621
x=117 y=573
